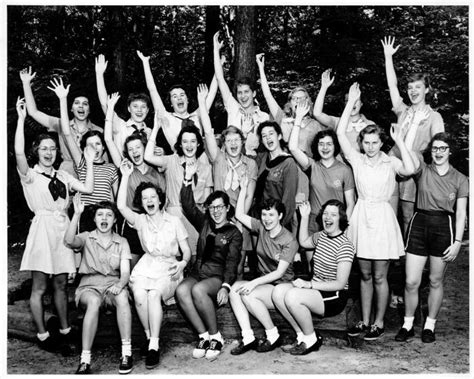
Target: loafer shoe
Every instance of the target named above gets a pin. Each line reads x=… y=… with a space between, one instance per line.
x=404 y=335
x=83 y=369
x=152 y=359
x=241 y=348
x=265 y=346
x=428 y=336
x=302 y=349
x=126 y=364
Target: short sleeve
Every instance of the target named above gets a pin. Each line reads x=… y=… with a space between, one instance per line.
x=354 y=157
x=315 y=237
x=231 y=105
x=396 y=164
x=348 y=178
x=139 y=221
x=256 y=225
x=83 y=238
x=289 y=249
x=181 y=233
x=125 y=249
x=437 y=123
x=68 y=179
x=28 y=178
x=463 y=188
x=345 y=252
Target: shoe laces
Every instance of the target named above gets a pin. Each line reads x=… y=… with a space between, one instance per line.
x=214 y=345
x=374 y=328
x=125 y=359
x=201 y=344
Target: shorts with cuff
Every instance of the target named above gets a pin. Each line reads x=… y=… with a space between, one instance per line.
x=334 y=302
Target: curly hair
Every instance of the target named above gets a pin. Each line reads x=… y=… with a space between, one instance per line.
x=189 y=129
x=225 y=198
x=137 y=198
x=33 y=153
x=343 y=220
x=319 y=136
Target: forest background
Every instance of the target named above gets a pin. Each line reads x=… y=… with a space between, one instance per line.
x=299 y=43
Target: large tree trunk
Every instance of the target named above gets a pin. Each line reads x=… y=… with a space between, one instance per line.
x=212 y=26
x=118 y=58
x=244 y=39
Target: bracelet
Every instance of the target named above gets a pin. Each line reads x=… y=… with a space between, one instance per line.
x=187 y=182
x=226 y=286
x=458 y=241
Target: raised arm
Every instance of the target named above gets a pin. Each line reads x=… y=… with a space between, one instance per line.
x=290 y=188
x=211 y=95
x=190 y=210
x=267 y=93
x=240 y=213
x=115 y=154
x=319 y=115
x=70 y=238
x=88 y=185
x=100 y=67
x=150 y=84
x=218 y=70
x=297 y=153
x=150 y=156
x=409 y=160
x=21 y=161
x=126 y=169
x=211 y=144
x=305 y=240
x=26 y=76
x=61 y=92
x=389 y=50
x=354 y=95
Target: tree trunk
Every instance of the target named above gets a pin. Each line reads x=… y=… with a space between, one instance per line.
x=118 y=58
x=244 y=40
x=212 y=26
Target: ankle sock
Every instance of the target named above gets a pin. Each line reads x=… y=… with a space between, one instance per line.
x=154 y=343
x=247 y=336
x=204 y=336
x=408 y=322
x=42 y=336
x=272 y=334
x=299 y=337
x=430 y=324
x=217 y=337
x=126 y=347
x=86 y=356
x=310 y=339
x=65 y=331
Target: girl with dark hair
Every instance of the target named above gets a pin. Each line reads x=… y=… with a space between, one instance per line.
x=276 y=249
x=47 y=194
x=326 y=293
x=243 y=111
x=418 y=118
x=357 y=120
x=435 y=233
x=215 y=269
x=158 y=272
x=189 y=151
x=373 y=227
x=329 y=178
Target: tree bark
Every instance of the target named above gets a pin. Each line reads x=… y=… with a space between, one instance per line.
x=244 y=40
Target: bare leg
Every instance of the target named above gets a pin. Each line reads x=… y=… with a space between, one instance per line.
x=435 y=297
x=141 y=305
x=60 y=298
x=414 y=269
x=40 y=283
x=155 y=312
x=381 y=290
x=90 y=301
x=258 y=302
x=124 y=315
x=301 y=303
x=366 y=289
x=240 y=311
x=279 y=299
x=185 y=300
x=204 y=294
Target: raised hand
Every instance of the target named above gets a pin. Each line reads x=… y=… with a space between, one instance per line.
x=78 y=204
x=217 y=44
x=354 y=92
x=244 y=181
x=305 y=209
x=326 y=79
x=58 y=88
x=421 y=115
x=26 y=75
x=21 y=108
x=126 y=167
x=190 y=169
x=388 y=46
x=112 y=99
x=142 y=57
x=260 y=60
x=202 y=92
x=89 y=154
x=100 y=64
x=398 y=132
x=302 y=108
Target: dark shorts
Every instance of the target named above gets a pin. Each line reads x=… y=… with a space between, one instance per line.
x=430 y=233
x=334 y=302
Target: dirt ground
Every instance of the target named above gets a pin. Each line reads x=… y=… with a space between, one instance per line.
x=448 y=355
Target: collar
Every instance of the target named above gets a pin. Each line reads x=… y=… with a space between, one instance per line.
x=130 y=122
x=95 y=236
x=255 y=111
x=165 y=217
x=73 y=125
x=39 y=170
x=384 y=158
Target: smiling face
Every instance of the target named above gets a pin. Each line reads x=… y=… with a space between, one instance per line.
x=96 y=143
x=326 y=147
x=233 y=144
x=270 y=218
x=47 y=152
x=138 y=110
x=136 y=150
x=270 y=138
x=417 y=92
x=179 y=100
x=150 y=201
x=440 y=157
x=330 y=219
x=80 y=108
x=245 y=95
x=371 y=144
x=218 y=212
x=189 y=144
x=104 y=219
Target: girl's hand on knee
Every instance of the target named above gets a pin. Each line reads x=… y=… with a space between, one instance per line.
x=246 y=288
x=300 y=283
x=115 y=289
x=222 y=297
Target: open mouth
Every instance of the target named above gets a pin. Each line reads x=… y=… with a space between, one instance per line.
x=104 y=225
x=150 y=207
x=136 y=158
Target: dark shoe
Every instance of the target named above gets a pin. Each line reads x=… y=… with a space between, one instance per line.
x=49 y=344
x=302 y=349
x=428 y=336
x=241 y=348
x=66 y=346
x=126 y=364
x=83 y=369
x=287 y=348
x=357 y=329
x=374 y=333
x=266 y=346
x=144 y=349
x=215 y=348
x=152 y=359
x=201 y=348
x=404 y=335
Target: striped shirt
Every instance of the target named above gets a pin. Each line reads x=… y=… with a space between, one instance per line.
x=328 y=252
x=105 y=174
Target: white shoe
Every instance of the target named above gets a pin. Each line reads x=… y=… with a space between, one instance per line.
x=214 y=350
x=201 y=348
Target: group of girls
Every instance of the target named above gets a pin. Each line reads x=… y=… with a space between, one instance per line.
x=171 y=214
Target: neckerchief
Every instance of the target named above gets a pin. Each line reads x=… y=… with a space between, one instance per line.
x=232 y=178
x=56 y=187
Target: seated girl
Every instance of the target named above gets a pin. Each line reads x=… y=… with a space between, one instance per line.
x=215 y=269
x=276 y=249
x=326 y=294
x=105 y=269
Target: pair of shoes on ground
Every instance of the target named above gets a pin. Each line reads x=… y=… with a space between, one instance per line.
x=125 y=367
x=241 y=348
x=208 y=349
x=57 y=342
x=372 y=333
x=427 y=335
x=302 y=349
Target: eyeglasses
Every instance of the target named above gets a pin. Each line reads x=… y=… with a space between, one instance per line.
x=216 y=208
x=441 y=149
x=233 y=141
x=45 y=149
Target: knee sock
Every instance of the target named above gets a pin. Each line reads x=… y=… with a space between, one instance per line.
x=310 y=339
x=272 y=334
x=65 y=331
x=408 y=322
x=86 y=356
x=204 y=336
x=154 y=343
x=430 y=323
x=217 y=337
x=42 y=336
x=247 y=336
x=126 y=347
